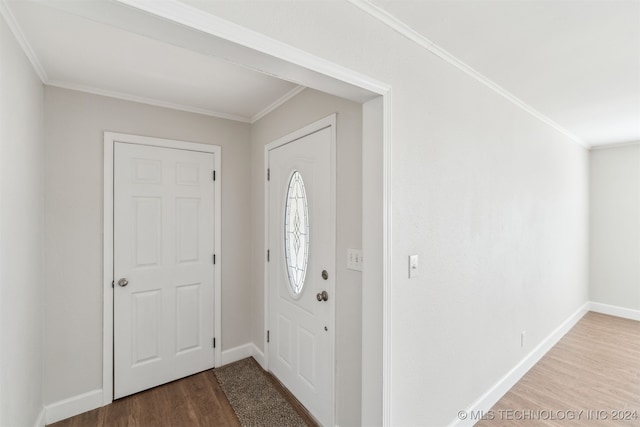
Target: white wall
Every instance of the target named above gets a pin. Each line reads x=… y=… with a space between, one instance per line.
x=615 y=226
x=21 y=235
x=493 y=201
x=74 y=124
x=372 y=243
x=305 y=108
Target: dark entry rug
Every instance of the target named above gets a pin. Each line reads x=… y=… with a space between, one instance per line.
x=254 y=397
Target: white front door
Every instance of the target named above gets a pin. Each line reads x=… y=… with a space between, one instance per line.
x=301 y=273
x=163 y=266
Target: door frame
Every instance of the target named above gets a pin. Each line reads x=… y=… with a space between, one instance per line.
x=329 y=121
x=110 y=138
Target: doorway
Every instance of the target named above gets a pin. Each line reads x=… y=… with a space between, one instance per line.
x=162 y=246
x=300 y=273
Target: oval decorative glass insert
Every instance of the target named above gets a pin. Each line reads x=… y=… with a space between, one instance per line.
x=296 y=233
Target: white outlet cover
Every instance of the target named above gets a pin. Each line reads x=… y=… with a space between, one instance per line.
x=354 y=259
x=413 y=266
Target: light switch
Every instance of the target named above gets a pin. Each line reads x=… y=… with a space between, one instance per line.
x=413 y=266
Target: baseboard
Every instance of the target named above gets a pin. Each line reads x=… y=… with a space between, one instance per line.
x=258 y=355
x=40 y=420
x=73 y=406
x=495 y=393
x=242 y=352
x=237 y=353
x=614 y=310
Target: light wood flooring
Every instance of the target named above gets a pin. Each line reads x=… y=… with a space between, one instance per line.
x=594 y=368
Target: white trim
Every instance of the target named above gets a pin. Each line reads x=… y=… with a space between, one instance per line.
x=110 y=138
x=615 y=145
x=258 y=355
x=614 y=310
x=413 y=35
x=242 y=352
x=192 y=17
x=11 y=21
x=236 y=353
x=495 y=393
x=387 y=265
x=278 y=102
x=40 y=421
x=148 y=101
x=73 y=406
x=327 y=122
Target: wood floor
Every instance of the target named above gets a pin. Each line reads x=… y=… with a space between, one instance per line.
x=590 y=378
x=594 y=368
x=197 y=400
x=194 y=401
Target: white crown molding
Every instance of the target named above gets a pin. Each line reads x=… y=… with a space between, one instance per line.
x=413 y=35
x=278 y=102
x=11 y=21
x=615 y=145
x=181 y=13
x=144 y=100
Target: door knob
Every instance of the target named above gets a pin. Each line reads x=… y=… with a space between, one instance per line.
x=123 y=282
x=322 y=296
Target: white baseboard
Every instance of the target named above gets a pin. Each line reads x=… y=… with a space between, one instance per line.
x=242 y=352
x=236 y=353
x=40 y=420
x=614 y=310
x=73 y=406
x=258 y=355
x=495 y=393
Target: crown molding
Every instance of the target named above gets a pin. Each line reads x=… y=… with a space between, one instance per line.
x=148 y=101
x=614 y=145
x=278 y=102
x=192 y=17
x=11 y=21
x=405 y=30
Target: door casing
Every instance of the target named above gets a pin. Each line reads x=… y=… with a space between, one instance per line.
x=329 y=121
x=108 y=277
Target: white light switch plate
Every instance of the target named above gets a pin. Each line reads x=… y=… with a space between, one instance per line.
x=413 y=266
x=354 y=259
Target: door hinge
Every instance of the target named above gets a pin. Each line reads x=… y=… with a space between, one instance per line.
x=267 y=336
x=214 y=259
x=214 y=342
x=113 y=283
x=268 y=255
x=214 y=175
x=268 y=174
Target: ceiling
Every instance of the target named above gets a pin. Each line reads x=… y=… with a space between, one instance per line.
x=576 y=62
x=80 y=53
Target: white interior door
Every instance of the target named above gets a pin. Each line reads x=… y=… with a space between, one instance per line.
x=163 y=266
x=301 y=271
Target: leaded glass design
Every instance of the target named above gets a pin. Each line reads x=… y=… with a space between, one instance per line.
x=296 y=233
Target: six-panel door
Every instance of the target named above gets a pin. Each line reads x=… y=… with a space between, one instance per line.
x=163 y=248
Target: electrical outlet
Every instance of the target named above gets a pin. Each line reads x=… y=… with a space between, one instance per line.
x=413 y=266
x=354 y=259
x=523 y=335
